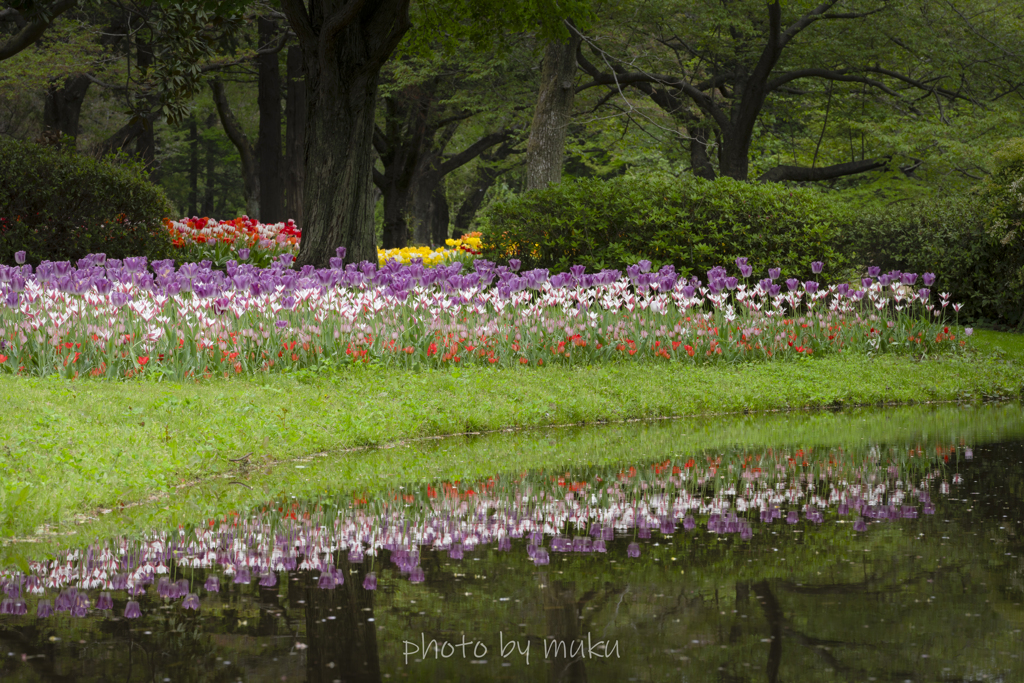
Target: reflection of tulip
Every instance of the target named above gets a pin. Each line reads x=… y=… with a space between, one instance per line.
x=242 y=575
x=792 y=517
x=633 y=550
x=44 y=609
x=860 y=525
x=212 y=584
x=370 y=582
x=541 y=557
x=599 y=546
x=417 y=575
x=105 y=601
x=191 y=602
x=326 y=581
x=132 y=610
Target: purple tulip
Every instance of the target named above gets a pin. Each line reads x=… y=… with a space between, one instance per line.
x=731 y=283
x=811 y=286
x=19 y=257
x=118 y=299
x=212 y=584
x=816 y=266
x=243 y=254
x=340 y=252
x=514 y=264
x=884 y=280
x=774 y=273
x=370 y=582
x=191 y=602
x=132 y=610
x=746 y=271
x=740 y=262
x=873 y=271
x=645 y=266
x=929 y=279
x=908 y=278
x=633 y=550
x=792 y=283
x=866 y=282
x=924 y=294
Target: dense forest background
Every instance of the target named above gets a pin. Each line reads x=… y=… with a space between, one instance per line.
x=257 y=108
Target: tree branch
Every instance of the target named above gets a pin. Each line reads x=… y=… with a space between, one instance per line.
x=829 y=74
x=34 y=29
x=471 y=152
x=805 y=174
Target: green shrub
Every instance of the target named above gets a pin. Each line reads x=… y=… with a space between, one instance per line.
x=691 y=223
x=950 y=237
x=59 y=206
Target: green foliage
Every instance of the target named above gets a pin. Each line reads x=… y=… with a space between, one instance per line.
x=950 y=237
x=692 y=223
x=57 y=205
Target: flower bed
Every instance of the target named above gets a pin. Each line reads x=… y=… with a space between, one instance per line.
x=247 y=240
x=112 y=318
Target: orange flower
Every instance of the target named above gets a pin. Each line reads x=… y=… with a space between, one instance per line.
x=143 y=360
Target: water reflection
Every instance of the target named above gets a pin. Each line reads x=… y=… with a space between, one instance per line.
x=742 y=564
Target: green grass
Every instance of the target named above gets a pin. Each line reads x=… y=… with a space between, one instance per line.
x=72 y=447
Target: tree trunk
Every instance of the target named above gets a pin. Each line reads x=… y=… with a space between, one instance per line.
x=440 y=216
x=145 y=142
x=211 y=168
x=250 y=172
x=64 y=105
x=546 y=147
x=700 y=164
x=344 y=46
x=193 y=166
x=424 y=187
x=295 y=132
x=268 y=145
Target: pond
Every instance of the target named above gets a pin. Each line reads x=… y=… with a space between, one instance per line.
x=886 y=546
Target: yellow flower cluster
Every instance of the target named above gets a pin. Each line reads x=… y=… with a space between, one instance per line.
x=406 y=255
x=466 y=247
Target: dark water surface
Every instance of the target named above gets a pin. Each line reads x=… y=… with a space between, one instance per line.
x=885 y=559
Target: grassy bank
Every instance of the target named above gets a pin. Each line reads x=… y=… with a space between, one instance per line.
x=68 y=447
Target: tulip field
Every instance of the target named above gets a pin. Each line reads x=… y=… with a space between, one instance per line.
x=112 y=318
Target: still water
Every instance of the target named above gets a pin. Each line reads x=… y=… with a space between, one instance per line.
x=889 y=557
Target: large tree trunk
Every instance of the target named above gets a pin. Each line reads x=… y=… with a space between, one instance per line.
x=268 y=145
x=193 y=166
x=440 y=216
x=546 y=147
x=344 y=45
x=64 y=105
x=250 y=172
x=295 y=134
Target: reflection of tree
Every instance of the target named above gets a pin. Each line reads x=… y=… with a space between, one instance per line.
x=344 y=647
x=562 y=614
